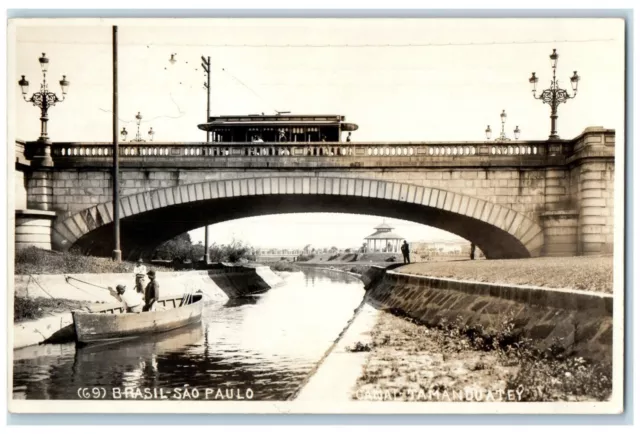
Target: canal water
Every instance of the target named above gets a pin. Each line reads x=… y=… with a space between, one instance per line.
x=260 y=348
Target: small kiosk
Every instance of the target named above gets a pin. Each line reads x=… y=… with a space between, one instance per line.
x=383 y=239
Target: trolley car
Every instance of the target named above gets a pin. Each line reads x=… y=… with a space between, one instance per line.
x=278 y=128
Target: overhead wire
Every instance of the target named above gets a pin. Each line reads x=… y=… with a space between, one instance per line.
x=355 y=45
x=247 y=87
x=260 y=97
x=144 y=121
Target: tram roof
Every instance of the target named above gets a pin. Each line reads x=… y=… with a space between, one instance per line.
x=277 y=121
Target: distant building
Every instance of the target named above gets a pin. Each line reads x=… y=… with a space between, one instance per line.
x=276 y=254
x=383 y=240
x=449 y=248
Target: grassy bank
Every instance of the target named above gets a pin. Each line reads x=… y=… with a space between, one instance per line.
x=32 y=260
x=284 y=266
x=590 y=273
x=357 y=269
x=415 y=362
x=25 y=309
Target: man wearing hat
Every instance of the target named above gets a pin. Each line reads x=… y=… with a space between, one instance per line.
x=131 y=299
x=151 y=292
x=140 y=270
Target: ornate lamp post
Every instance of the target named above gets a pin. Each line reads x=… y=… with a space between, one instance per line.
x=502 y=137
x=44 y=99
x=138 y=139
x=554 y=96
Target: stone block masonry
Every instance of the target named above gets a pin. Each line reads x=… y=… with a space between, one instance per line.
x=33 y=228
x=534 y=182
x=579 y=321
x=502 y=232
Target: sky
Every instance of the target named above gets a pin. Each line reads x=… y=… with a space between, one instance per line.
x=318 y=229
x=398 y=79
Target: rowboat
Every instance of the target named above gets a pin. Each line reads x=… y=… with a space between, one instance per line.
x=112 y=323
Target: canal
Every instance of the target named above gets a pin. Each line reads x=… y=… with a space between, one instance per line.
x=259 y=348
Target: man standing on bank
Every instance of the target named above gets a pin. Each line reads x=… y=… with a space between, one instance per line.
x=140 y=270
x=151 y=292
x=405 y=252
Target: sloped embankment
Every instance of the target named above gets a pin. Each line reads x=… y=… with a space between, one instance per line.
x=578 y=321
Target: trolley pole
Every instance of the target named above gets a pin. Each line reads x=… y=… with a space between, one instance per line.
x=117 y=253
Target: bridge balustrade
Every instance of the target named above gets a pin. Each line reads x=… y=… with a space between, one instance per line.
x=186 y=150
x=514 y=150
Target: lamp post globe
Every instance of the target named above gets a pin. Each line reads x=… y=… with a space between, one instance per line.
x=534 y=82
x=64 y=85
x=575 y=78
x=24 y=86
x=44 y=63
x=487 y=132
x=553 y=58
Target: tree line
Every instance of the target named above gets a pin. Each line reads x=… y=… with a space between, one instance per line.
x=182 y=248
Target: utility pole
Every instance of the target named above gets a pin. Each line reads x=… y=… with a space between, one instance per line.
x=206 y=65
x=117 y=253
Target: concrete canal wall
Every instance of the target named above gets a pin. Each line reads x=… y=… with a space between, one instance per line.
x=217 y=285
x=579 y=321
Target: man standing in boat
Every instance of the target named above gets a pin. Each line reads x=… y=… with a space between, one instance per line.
x=132 y=300
x=140 y=270
x=151 y=292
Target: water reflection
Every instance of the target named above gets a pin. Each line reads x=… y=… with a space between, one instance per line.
x=241 y=301
x=268 y=343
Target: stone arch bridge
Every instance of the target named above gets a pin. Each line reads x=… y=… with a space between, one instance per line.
x=513 y=199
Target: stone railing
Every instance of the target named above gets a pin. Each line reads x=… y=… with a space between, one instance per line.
x=338 y=149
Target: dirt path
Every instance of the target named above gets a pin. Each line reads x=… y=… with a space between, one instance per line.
x=590 y=273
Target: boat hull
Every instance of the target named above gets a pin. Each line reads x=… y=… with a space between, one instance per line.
x=108 y=325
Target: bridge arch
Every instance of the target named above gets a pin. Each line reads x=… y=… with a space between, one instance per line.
x=150 y=218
